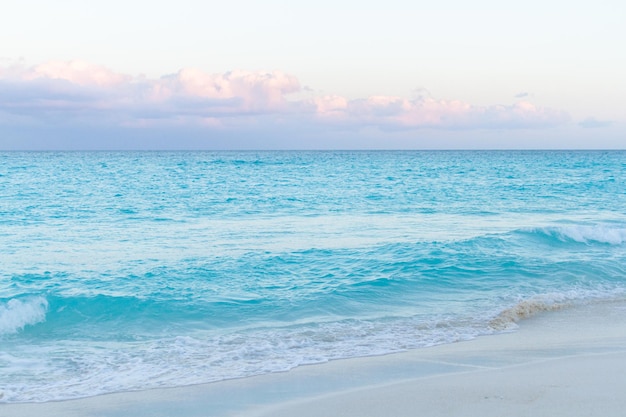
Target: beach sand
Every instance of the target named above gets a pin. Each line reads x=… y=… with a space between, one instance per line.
x=570 y=362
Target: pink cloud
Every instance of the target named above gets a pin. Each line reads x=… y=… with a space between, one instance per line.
x=330 y=106
x=76 y=72
x=391 y=112
x=254 y=90
x=80 y=91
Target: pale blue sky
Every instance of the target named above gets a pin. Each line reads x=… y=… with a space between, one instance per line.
x=563 y=58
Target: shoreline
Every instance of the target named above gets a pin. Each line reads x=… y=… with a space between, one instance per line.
x=565 y=362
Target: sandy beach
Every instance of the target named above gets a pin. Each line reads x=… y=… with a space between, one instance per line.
x=570 y=362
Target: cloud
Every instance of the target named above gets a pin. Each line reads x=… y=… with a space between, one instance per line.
x=76 y=72
x=250 y=91
x=78 y=92
x=397 y=113
x=521 y=95
x=592 y=123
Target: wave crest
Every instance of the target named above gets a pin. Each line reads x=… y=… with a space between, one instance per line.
x=17 y=314
x=586 y=234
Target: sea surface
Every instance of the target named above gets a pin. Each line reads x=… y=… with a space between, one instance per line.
x=136 y=270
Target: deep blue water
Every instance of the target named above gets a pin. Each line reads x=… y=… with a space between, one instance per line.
x=124 y=271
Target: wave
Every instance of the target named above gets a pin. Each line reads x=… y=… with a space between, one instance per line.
x=17 y=314
x=81 y=368
x=508 y=318
x=525 y=309
x=587 y=234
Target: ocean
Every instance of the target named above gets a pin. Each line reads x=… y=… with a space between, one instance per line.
x=124 y=271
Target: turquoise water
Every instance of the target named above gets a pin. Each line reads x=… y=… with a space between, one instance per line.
x=126 y=271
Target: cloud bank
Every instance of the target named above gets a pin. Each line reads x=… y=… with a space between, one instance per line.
x=77 y=93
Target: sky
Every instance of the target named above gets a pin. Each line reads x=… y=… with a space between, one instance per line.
x=277 y=74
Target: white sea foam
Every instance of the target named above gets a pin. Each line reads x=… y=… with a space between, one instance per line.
x=17 y=314
x=77 y=369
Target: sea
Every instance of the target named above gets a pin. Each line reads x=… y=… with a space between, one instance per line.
x=124 y=271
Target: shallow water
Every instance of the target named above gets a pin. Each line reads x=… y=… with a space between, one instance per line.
x=124 y=271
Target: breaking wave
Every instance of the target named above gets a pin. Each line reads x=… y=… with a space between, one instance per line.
x=605 y=234
x=17 y=314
